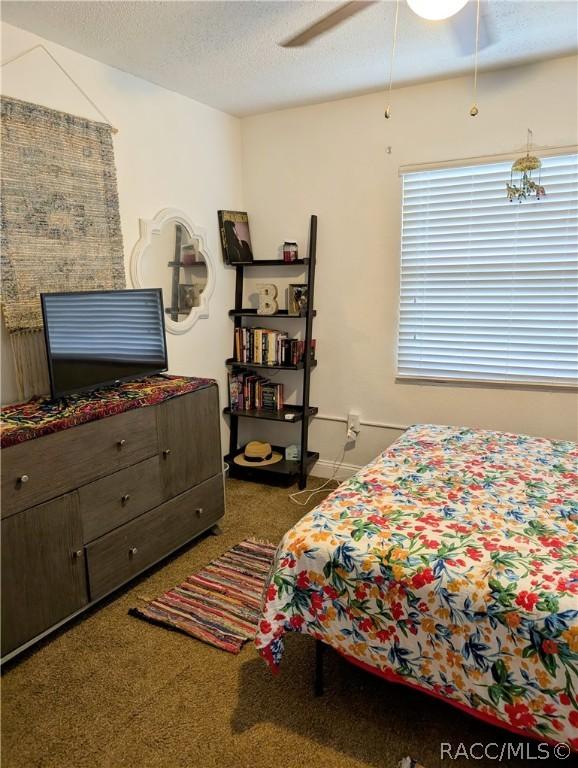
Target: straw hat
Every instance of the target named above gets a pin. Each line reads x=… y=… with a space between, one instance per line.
x=257 y=454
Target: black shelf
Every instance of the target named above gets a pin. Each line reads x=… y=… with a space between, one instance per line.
x=285 y=471
x=186 y=266
x=282 y=473
x=253 y=313
x=175 y=311
x=297 y=367
x=276 y=263
x=295 y=412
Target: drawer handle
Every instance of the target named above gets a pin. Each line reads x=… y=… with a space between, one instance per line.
x=22 y=479
x=125 y=499
x=121 y=443
x=132 y=551
x=199 y=512
x=166 y=452
x=77 y=554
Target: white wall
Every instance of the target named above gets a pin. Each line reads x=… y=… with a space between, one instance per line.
x=170 y=151
x=331 y=159
x=328 y=159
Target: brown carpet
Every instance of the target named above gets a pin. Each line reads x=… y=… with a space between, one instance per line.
x=113 y=692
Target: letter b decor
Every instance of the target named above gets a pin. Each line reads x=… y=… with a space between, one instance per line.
x=267 y=299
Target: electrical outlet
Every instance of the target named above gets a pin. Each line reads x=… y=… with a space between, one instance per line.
x=353 y=426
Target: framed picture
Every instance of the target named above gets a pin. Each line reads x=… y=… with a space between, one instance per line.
x=235 y=237
x=298 y=295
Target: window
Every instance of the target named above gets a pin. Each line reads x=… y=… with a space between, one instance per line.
x=489 y=288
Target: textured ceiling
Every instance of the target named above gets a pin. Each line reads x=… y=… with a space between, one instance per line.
x=226 y=54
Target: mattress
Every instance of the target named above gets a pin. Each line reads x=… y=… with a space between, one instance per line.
x=449 y=563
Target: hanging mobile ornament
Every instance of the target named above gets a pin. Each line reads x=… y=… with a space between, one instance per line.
x=474 y=110
x=387 y=113
x=526 y=186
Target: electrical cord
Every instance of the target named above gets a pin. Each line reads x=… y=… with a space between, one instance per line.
x=324 y=487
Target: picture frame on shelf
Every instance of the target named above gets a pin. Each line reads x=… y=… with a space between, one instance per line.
x=297 y=299
x=235 y=237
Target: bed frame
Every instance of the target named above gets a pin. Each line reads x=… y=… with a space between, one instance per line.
x=318 y=686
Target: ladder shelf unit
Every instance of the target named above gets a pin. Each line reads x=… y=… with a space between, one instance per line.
x=286 y=471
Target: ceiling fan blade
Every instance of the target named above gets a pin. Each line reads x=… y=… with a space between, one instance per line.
x=328 y=22
x=464 y=28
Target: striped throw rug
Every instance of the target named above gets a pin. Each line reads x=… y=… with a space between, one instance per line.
x=221 y=604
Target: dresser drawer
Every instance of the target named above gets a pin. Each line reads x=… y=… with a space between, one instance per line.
x=121 y=554
x=48 y=466
x=118 y=498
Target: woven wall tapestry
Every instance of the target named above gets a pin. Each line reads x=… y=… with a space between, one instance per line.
x=60 y=224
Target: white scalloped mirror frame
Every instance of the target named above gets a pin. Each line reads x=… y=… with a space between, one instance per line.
x=148 y=229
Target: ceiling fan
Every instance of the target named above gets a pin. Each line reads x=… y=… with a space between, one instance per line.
x=461 y=15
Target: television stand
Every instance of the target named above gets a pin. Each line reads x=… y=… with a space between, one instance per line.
x=97 y=488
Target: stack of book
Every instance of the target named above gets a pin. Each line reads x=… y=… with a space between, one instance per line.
x=248 y=391
x=264 y=346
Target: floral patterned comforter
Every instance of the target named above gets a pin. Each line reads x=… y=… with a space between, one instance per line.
x=450 y=562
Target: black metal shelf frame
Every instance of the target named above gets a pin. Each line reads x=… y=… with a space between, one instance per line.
x=303 y=412
x=297 y=367
x=290 y=413
x=248 y=312
x=276 y=263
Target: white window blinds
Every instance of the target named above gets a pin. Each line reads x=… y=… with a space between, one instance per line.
x=489 y=288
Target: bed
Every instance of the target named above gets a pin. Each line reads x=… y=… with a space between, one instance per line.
x=450 y=563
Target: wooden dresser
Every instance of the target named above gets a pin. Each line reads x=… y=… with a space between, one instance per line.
x=86 y=509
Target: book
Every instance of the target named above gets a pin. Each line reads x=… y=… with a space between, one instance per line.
x=247 y=392
x=266 y=346
x=235 y=237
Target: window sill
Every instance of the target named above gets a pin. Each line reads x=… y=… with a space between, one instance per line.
x=431 y=381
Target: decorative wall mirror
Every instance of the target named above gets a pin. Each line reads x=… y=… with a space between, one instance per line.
x=172 y=254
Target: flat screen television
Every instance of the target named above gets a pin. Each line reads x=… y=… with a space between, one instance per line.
x=96 y=338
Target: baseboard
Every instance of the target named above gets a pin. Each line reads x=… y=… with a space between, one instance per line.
x=325 y=468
